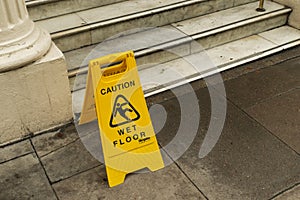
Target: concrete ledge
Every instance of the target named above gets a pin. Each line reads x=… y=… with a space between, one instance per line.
x=34 y=97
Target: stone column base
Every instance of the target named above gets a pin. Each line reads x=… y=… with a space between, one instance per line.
x=34 y=97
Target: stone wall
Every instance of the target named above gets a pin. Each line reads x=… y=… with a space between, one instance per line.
x=294 y=19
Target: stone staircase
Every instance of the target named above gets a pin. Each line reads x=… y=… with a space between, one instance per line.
x=174 y=33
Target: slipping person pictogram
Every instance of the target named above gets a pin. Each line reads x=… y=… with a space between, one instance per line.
x=123 y=112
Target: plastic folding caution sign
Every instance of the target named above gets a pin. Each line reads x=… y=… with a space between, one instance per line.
x=127 y=135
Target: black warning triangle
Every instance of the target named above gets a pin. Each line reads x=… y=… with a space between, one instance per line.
x=123 y=112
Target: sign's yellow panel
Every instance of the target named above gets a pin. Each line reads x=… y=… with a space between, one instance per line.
x=128 y=139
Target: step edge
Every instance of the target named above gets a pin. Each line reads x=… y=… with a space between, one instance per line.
x=30 y=4
x=217 y=69
x=95 y=25
x=115 y=20
x=242 y=23
x=139 y=53
x=228 y=66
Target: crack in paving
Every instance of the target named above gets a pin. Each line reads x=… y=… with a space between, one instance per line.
x=45 y=172
x=285 y=190
x=15 y=158
x=272 y=97
x=78 y=173
x=265 y=128
x=182 y=171
x=52 y=151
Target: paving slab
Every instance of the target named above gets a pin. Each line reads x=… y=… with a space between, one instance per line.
x=15 y=150
x=24 y=178
x=292 y=194
x=285 y=117
x=49 y=142
x=247 y=162
x=255 y=87
x=181 y=114
x=168 y=183
x=68 y=161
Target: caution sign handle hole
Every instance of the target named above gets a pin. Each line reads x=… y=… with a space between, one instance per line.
x=112 y=64
x=114 y=69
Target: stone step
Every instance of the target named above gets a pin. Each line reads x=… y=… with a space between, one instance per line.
x=162 y=44
x=162 y=77
x=82 y=28
x=43 y=9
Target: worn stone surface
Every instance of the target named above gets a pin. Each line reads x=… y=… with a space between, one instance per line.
x=246 y=163
x=275 y=59
x=133 y=14
x=260 y=85
x=292 y=194
x=55 y=8
x=24 y=178
x=15 y=150
x=212 y=21
x=285 y=118
x=34 y=97
x=168 y=183
x=68 y=21
x=47 y=143
x=262 y=63
x=178 y=115
x=239 y=49
x=282 y=35
x=68 y=161
x=239 y=32
x=75 y=41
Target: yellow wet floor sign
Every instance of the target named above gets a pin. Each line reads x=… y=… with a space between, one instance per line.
x=128 y=139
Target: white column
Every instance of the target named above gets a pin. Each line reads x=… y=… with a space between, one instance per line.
x=21 y=41
x=34 y=85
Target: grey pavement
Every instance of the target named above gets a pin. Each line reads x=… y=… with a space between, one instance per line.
x=256 y=157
